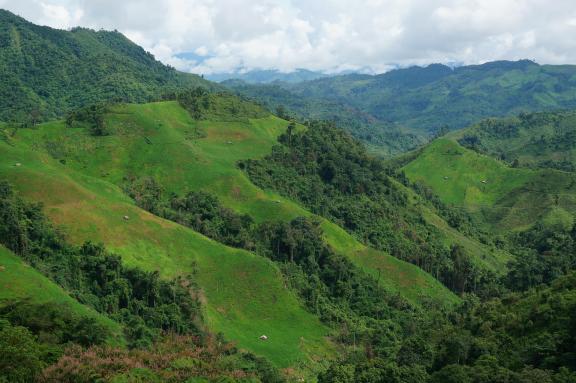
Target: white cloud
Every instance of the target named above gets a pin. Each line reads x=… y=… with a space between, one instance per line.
x=328 y=35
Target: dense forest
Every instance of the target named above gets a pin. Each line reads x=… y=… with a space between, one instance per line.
x=331 y=173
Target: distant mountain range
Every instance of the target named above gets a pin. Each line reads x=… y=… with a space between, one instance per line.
x=268 y=76
x=422 y=100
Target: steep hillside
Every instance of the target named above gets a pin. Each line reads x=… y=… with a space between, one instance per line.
x=244 y=294
x=502 y=197
x=161 y=140
x=543 y=140
x=79 y=177
x=46 y=72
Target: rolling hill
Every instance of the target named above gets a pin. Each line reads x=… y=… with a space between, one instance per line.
x=156 y=228
x=534 y=140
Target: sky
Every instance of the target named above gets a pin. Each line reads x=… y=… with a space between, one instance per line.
x=215 y=36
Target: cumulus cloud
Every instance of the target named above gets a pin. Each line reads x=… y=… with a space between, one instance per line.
x=207 y=36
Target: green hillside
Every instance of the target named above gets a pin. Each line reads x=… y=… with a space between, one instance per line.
x=543 y=140
x=79 y=178
x=232 y=280
x=155 y=228
x=503 y=197
x=159 y=140
x=47 y=72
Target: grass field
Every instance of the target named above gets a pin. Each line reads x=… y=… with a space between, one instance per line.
x=79 y=178
x=505 y=198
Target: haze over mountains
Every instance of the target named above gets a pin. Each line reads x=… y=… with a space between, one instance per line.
x=159 y=227
x=268 y=76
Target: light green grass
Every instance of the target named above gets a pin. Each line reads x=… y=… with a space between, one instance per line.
x=485 y=256
x=21 y=282
x=462 y=177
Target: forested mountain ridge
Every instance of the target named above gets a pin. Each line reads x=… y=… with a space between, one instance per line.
x=421 y=101
x=46 y=72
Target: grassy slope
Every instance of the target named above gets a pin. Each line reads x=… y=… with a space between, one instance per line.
x=487 y=257
x=509 y=199
x=78 y=177
x=210 y=164
x=182 y=163
x=19 y=281
x=245 y=294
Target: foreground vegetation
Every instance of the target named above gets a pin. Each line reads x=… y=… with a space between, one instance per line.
x=384 y=331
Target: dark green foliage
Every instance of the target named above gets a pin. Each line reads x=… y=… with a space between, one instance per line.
x=321 y=276
x=54 y=325
x=202 y=104
x=329 y=172
x=375 y=370
x=141 y=300
x=521 y=337
x=90 y=117
x=542 y=254
x=46 y=72
x=21 y=356
x=198 y=210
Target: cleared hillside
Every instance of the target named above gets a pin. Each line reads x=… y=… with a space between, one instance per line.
x=503 y=197
x=244 y=294
x=534 y=140
x=79 y=178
